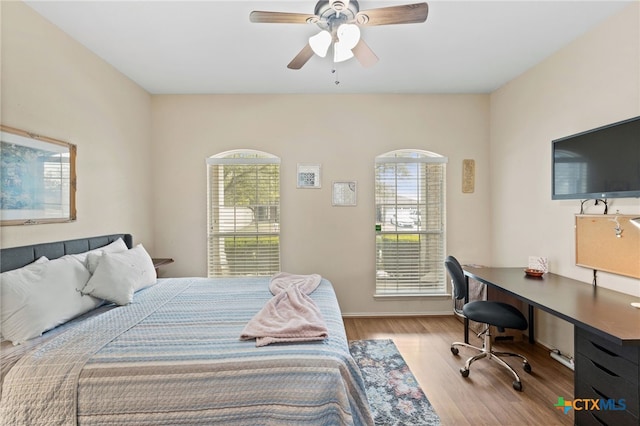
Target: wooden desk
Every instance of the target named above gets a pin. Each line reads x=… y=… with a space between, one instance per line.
x=601 y=311
x=606 y=336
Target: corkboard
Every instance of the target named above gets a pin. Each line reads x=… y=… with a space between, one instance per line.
x=606 y=245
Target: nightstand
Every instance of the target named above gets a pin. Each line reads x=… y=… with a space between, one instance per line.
x=161 y=261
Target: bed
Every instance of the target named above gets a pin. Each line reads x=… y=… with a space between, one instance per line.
x=173 y=356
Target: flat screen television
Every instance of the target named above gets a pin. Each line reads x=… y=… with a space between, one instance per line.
x=599 y=163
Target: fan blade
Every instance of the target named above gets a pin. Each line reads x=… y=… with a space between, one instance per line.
x=406 y=14
x=364 y=54
x=301 y=58
x=282 y=18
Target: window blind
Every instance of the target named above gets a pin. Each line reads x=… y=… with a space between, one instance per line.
x=410 y=209
x=243 y=214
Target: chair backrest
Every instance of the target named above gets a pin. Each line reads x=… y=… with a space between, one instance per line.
x=457 y=277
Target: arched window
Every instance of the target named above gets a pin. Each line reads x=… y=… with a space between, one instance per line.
x=410 y=215
x=243 y=213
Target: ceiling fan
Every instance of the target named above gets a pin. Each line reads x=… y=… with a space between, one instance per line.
x=340 y=22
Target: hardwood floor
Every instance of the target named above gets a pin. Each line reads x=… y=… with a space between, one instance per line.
x=486 y=397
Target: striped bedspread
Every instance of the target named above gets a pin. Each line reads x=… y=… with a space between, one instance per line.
x=173 y=356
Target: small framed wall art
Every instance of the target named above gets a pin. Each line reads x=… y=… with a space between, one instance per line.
x=309 y=176
x=344 y=193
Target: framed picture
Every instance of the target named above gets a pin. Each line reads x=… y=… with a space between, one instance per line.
x=309 y=176
x=344 y=193
x=37 y=178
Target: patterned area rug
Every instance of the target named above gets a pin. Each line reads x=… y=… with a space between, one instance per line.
x=394 y=394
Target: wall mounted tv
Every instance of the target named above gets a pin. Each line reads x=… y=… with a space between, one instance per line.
x=599 y=163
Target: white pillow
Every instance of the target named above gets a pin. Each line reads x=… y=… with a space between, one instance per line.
x=116 y=246
x=41 y=259
x=92 y=260
x=41 y=296
x=118 y=275
x=93 y=256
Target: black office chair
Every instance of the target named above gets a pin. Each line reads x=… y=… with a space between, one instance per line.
x=498 y=314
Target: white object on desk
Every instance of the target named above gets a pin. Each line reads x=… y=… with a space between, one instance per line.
x=539 y=263
x=635 y=304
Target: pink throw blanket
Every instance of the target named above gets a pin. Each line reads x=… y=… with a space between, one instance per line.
x=291 y=315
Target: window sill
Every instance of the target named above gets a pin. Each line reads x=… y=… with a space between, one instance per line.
x=411 y=295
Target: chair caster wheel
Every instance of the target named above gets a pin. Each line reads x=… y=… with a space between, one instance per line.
x=527 y=367
x=464 y=372
x=517 y=386
x=454 y=350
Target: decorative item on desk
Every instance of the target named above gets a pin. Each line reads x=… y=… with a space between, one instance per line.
x=538 y=262
x=538 y=266
x=534 y=272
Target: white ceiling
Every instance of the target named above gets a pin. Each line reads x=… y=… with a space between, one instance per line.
x=186 y=47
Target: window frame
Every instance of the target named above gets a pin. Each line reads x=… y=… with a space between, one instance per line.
x=396 y=275
x=243 y=240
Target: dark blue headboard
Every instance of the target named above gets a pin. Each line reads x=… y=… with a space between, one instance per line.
x=17 y=257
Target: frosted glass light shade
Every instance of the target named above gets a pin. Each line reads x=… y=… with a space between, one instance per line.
x=341 y=53
x=348 y=37
x=320 y=43
x=349 y=34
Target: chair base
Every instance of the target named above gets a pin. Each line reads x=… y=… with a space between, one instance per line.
x=486 y=352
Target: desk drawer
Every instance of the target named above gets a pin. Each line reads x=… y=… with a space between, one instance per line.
x=602 y=417
x=606 y=359
x=605 y=418
x=607 y=353
x=600 y=382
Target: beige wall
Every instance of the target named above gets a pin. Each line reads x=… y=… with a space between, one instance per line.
x=141 y=159
x=53 y=86
x=592 y=82
x=343 y=134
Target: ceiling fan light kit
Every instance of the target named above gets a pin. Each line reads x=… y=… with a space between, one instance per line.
x=340 y=22
x=320 y=43
x=341 y=53
x=339 y=5
x=348 y=37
